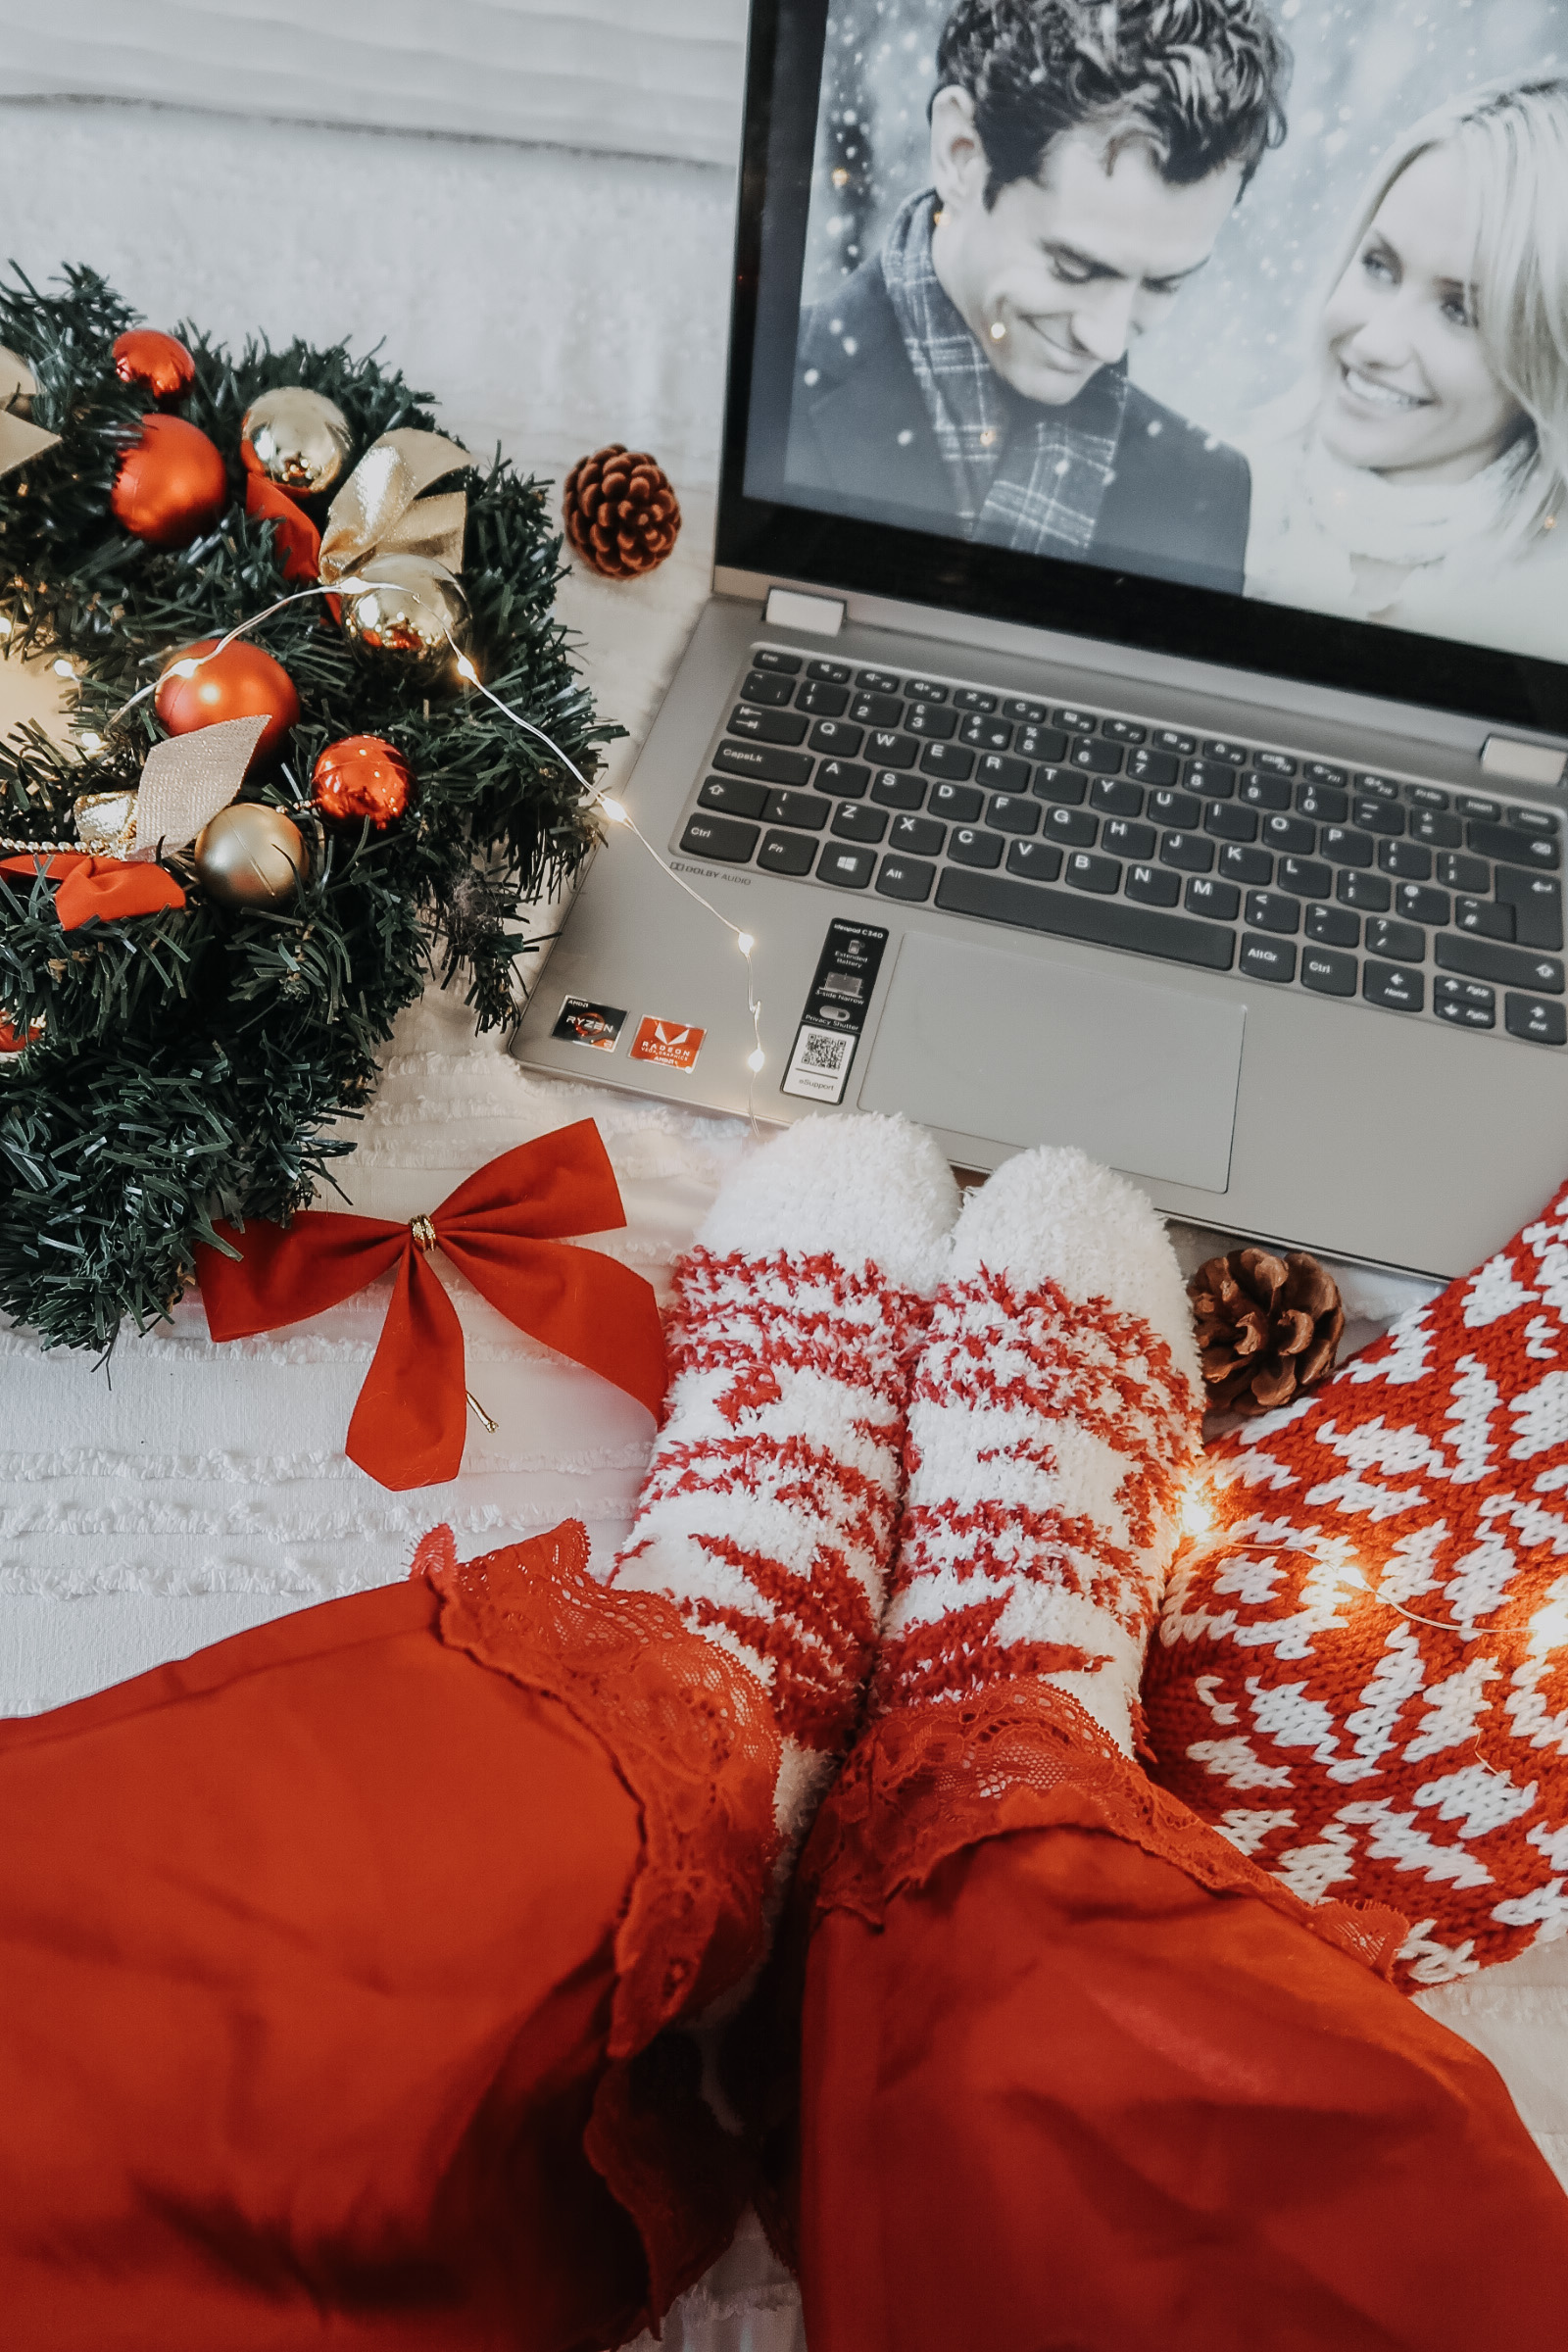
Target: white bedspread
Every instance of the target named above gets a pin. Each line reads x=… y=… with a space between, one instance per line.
x=555 y=301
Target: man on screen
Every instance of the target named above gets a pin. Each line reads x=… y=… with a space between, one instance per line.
x=973 y=375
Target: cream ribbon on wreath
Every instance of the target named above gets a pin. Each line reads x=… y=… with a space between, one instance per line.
x=183 y=784
x=382 y=507
x=20 y=438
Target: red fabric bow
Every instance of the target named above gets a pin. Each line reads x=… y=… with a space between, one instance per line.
x=105 y=887
x=498 y=1227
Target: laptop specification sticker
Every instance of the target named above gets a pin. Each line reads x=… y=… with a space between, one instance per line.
x=670 y=1044
x=583 y=1024
x=835 y=1012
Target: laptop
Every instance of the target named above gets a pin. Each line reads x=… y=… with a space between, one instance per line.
x=1131 y=706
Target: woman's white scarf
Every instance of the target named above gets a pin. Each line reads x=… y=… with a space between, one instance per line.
x=1383 y=522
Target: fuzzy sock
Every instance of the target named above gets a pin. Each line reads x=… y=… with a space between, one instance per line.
x=769 y=1510
x=1054 y=1415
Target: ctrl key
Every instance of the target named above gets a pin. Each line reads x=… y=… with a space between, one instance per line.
x=1540 y=1019
x=1327 y=971
x=719 y=838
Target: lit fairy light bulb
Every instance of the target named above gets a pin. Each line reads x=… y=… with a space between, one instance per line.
x=1197 y=1511
x=465 y=669
x=91 y=743
x=63 y=668
x=615 y=812
x=744 y=942
x=184 y=669
x=756 y=1059
x=998 y=331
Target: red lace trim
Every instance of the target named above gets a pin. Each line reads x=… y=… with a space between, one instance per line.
x=691 y=1735
x=925 y=1781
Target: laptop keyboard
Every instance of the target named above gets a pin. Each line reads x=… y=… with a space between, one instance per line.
x=1086 y=825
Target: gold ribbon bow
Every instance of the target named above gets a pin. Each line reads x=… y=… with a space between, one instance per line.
x=20 y=439
x=382 y=507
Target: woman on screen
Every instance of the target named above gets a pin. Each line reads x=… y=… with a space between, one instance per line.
x=1427 y=483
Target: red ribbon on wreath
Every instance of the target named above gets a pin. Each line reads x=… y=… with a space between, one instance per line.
x=110 y=888
x=500 y=1228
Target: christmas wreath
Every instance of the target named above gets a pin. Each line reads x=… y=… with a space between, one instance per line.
x=254 y=852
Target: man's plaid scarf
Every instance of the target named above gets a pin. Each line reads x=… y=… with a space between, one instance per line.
x=1024 y=475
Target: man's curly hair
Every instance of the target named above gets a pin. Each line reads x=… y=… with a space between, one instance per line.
x=1201 y=82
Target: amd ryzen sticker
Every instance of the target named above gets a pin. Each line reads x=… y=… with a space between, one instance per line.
x=835 y=1012
x=669 y=1042
x=585 y=1024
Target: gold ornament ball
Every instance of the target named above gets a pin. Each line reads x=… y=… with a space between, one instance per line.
x=409 y=605
x=298 y=439
x=251 y=855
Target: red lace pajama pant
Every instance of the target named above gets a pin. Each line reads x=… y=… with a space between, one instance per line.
x=306 y=1965
x=1062 y=2096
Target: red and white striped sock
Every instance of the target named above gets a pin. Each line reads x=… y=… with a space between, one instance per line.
x=769 y=1510
x=1054 y=1416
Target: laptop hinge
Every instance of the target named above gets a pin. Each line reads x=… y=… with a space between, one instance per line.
x=788 y=609
x=1522 y=763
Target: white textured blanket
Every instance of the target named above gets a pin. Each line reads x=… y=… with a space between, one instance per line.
x=556 y=300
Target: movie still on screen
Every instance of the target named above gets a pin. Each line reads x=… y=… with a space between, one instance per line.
x=1268 y=300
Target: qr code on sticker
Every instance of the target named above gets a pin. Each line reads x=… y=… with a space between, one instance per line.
x=822 y=1053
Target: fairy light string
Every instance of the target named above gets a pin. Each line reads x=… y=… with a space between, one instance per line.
x=1205 y=1544
x=617 y=813
x=595 y=797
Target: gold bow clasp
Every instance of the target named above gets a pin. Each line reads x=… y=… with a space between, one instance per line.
x=383 y=508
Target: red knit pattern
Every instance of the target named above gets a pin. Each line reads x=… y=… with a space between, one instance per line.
x=1076 y=1426
x=789 y=1382
x=1362 y=1675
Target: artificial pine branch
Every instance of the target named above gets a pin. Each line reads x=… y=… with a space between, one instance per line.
x=191 y=1064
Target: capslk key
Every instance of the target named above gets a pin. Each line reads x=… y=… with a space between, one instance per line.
x=761 y=760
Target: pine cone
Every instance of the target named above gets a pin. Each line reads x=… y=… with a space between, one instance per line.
x=621 y=511
x=1267 y=1328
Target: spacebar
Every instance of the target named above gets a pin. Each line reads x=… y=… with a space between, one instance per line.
x=1107 y=922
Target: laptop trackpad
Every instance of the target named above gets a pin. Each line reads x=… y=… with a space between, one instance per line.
x=1020 y=1050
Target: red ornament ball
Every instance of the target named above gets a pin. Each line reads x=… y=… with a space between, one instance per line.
x=361 y=776
x=172 y=485
x=159 y=363
x=240 y=682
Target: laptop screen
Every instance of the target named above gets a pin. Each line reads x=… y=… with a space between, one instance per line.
x=1069 y=309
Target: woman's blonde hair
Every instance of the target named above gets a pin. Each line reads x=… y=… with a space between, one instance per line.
x=1513 y=137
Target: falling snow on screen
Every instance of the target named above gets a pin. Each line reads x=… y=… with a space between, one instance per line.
x=1238 y=347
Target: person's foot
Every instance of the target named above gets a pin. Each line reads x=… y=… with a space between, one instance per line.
x=769 y=1507
x=1055 y=1415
